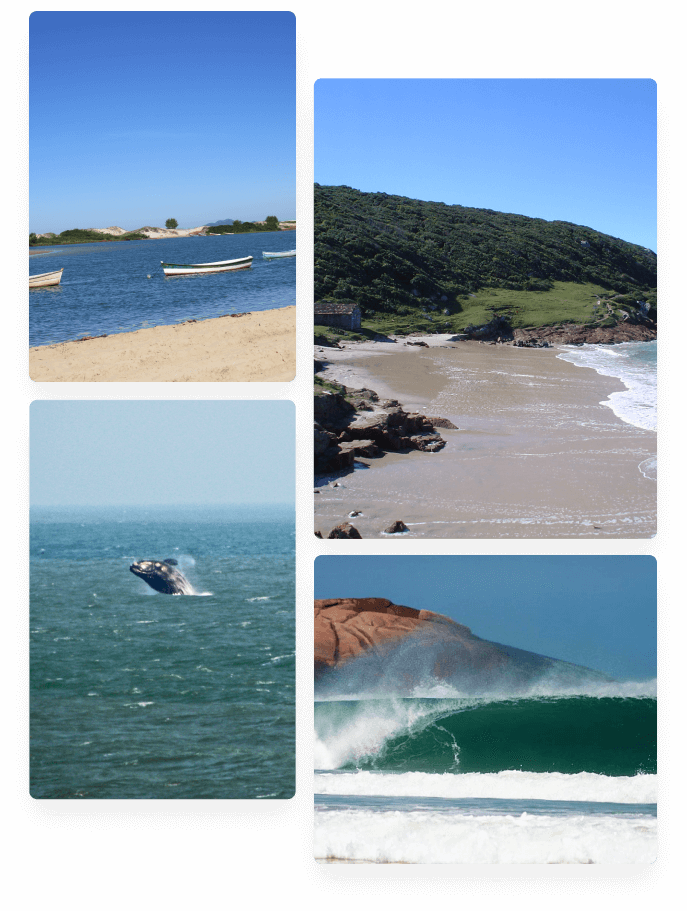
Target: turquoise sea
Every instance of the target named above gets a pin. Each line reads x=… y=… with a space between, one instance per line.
x=136 y=694
x=542 y=778
x=120 y=286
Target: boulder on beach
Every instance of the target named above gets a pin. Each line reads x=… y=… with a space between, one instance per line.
x=396 y=528
x=345 y=530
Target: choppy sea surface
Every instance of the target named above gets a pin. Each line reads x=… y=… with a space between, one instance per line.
x=136 y=694
x=120 y=286
x=540 y=779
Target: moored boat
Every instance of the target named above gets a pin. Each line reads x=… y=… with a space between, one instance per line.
x=227 y=265
x=279 y=255
x=45 y=279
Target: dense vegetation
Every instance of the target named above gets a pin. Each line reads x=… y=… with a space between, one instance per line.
x=411 y=264
x=80 y=236
x=171 y=223
x=271 y=223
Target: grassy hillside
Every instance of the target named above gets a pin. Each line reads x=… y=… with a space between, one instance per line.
x=425 y=265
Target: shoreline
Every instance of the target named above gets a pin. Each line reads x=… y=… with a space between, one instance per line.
x=258 y=346
x=537 y=454
x=151 y=234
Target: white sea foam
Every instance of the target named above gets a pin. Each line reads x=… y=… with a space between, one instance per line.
x=649 y=468
x=634 y=364
x=431 y=837
x=511 y=784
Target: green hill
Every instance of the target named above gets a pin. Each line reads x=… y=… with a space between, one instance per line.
x=411 y=264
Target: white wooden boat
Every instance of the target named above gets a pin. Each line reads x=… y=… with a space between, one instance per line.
x=227 y=265
x=279 y=255
x=45 y=279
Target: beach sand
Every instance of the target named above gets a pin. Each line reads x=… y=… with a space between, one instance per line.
x=535 y=455
x=252 y=347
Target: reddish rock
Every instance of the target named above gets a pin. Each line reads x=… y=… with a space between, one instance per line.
x=346 y=628
x=391 y=648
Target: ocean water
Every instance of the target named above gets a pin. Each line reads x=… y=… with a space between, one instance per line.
x=120 y=287
x=634 y=364
x=136 y=694
x=542 y=778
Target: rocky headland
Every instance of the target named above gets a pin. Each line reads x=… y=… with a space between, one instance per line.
x=368 y=644
x=629 y=329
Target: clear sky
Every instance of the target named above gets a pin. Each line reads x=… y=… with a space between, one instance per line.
x=577 y=150
x=598 y=611
x=137 y=117
x=98 y=453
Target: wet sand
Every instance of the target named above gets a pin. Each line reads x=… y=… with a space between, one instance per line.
x=253 y=347
x=536 y=454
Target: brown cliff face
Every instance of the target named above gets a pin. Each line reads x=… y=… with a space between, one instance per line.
x=370 y=645
x=348 y=628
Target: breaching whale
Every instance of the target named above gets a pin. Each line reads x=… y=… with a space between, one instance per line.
x=161 y=575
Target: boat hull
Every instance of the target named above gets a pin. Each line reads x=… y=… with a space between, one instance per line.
x=278 y=255
x=45 y=279
x=230 y=265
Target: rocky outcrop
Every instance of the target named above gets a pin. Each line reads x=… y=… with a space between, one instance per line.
x=497 y=330
x=347 y=628
x=371 y=644
x=396 y=528
x=354 y=424
x=572 y=334
x=345 y=530
x=531 y=343
x=631 y=328
x=442 y=422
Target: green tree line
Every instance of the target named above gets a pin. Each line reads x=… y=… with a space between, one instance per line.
x=247 y=227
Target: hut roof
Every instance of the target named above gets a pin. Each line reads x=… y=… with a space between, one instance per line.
x=334 y=307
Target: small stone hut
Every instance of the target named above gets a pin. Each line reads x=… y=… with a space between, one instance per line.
x=344 y=314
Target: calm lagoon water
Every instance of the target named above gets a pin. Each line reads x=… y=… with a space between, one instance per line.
x=105 y=287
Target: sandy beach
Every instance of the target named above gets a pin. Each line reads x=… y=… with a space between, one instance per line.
x=251 y=347
x=536 y=453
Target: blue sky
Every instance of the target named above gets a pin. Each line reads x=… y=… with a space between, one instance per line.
x=577 y=150
x=598 y=611
x=95 y=453
x=140 y=117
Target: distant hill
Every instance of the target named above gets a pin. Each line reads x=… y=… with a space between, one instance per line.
x=222 y=221
x=395 y=256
